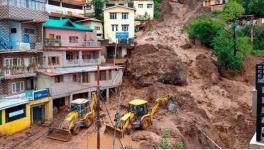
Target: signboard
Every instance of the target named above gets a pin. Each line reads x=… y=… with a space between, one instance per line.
x=122 y=35
x=29 y=95
x=41 y=94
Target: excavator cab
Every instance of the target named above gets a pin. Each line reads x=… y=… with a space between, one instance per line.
x=139 y=107
x=81 y=106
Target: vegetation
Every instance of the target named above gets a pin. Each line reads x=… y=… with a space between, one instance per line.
x=156 y=9
x=253 y=7
x=230 y=45
x=127 y=147
x=164 y=140
x=179 y=145
x=98 y=8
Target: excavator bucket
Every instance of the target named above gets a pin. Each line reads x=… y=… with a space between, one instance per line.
x=59 y=134
x=110 y=130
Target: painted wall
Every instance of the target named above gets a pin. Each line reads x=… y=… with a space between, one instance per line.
x=142 y=11
x=207 y=3
x=111 y=35
x=92 y=25
x=15 y=126
x=65 y=34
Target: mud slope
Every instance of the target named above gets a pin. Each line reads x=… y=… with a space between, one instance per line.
x=209 y=106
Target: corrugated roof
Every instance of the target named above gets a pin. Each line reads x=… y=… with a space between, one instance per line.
x=120 y=7
x=65 y=24
x=90 y=19
x=69 y=70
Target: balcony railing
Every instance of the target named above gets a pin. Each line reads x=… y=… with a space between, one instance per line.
x=31 y=4
x=77 y=43
x=8 y=71
x=80 y=62
x=16 y=45
x=64 y=10
x=125 y=42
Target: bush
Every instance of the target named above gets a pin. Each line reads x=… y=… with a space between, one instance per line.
x=156 y=9
x=204 y=29
x=164 y=140
x=232 y=11
x=253 y=7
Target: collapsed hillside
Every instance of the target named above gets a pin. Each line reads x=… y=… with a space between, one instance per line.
x=209 y=106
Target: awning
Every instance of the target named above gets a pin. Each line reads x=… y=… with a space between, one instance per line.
x=74 y=2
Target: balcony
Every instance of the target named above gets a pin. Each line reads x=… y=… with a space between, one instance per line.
x=23 y=10
x=19 y=46
x=82 y=62
x=64 y=43
x=18 y=71
x=64 y=10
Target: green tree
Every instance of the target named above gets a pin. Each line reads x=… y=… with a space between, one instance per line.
x=164 y=139
x=254 y=7
x=98 y=8
x=204 y=29
x=232 y=11
x=223 y=48
x=156 y=9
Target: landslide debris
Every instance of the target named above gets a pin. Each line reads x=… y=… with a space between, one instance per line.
x=213 y=111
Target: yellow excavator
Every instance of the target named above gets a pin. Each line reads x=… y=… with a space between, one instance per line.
x=138 y=116
x=82 y=114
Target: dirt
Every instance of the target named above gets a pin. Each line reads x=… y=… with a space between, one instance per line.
x=215 y=111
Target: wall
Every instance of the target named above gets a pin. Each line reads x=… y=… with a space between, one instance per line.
x=144 y=10
x=17 y=125
x=111 y=35
x=65 y=34
x=92 y=25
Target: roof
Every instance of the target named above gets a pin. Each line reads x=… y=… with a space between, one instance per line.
x=89 y=19
x=69 y=70
x=80 y=101
x=137 y=102
x=72 y=48
x=120 y=7
x=65 y=24
x=13 y=101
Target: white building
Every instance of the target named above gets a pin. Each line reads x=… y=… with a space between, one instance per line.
x=144 y=9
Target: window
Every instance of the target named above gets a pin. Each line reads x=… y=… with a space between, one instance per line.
x=85 y=77
x=124 y=15
x=73 y=39
x=13 y=30
x=51 y=36
x=18 y=87
x=53 y=60
x=97 y=28
x=18 y=61
x=8 y=62
x=112 y=15
x=103 y=75
x=59 y=79
x=76 y=77
x=15 y=113
x=140 y=5
x=110 y=75
x=149 y=5
x=114 y=27
x=125 y=27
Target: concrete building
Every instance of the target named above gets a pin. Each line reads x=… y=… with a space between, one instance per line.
x=119 y=32
x=214 y=5
x=61 y=9
x=144 y=9
x=18 y=112
x=71 y=54
x=20 y=44
x=94 y=24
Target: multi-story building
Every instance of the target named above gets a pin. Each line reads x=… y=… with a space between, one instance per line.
x=21 y=44
x=214 y=5
x=71 y=54
x=60 y=9
x=119 y=29
x=95 y=24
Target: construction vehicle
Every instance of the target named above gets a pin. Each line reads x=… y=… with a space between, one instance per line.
x=138 y=116
x=82 y=114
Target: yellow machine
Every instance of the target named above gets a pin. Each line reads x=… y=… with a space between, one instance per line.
x=82 y=114
x=138 y=116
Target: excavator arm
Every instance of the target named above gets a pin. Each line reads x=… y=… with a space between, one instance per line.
x=160 y=101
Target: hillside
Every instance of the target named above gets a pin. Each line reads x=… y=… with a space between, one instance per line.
x=210 y=108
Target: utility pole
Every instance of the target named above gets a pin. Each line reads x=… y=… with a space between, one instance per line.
x=252 y=33
x=98 y=108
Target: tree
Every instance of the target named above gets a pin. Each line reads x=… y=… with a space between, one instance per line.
x=253 y=7
x=223 y=49
x=204 y=29
x=232 y=11
x=98 y=8
x=156 y=9
x=164 y=140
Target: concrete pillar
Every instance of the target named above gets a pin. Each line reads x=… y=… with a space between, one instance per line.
x=80 y=58
x=70 y=100
x=124 y=52
x=51 y=109
x=107 y=94
x=254 y=102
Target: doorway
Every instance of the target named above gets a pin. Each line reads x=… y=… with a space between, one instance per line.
x=38 y=113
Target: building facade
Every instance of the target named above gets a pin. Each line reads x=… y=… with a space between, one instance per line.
x=119 y=33
x=214 y=5
x=21 y=44
x=94 y=24
x=71 y=54
x=61 y=9
x=144 y=9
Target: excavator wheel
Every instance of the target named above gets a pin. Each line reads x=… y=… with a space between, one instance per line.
x=145 y=123
x=88 y=122
x=76 y=130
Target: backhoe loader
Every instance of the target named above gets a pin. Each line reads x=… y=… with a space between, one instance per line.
x=138 y=116
x=82 y=114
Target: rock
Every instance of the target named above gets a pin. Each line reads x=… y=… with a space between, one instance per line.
x=186 y=46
